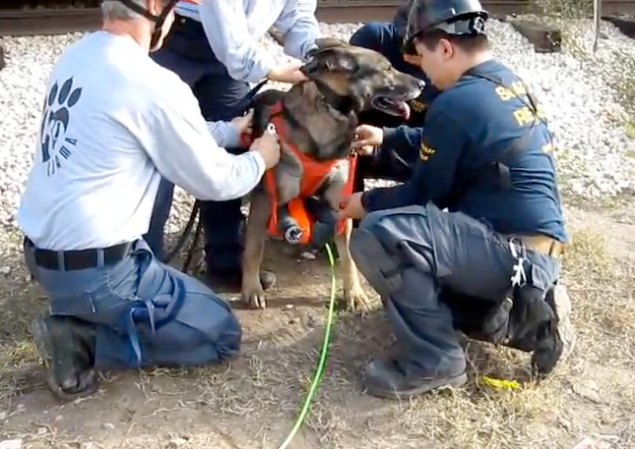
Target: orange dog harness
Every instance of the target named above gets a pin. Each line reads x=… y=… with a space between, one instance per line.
x=313 y=173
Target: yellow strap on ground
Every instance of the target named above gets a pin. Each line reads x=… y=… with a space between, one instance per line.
x=502 y=383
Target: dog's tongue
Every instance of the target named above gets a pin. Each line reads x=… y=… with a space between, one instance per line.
x=405 y=110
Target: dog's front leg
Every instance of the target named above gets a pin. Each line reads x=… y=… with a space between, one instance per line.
x=252 y=293
x=353 y=292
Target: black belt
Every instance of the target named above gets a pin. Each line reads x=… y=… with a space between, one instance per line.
x=78 y=259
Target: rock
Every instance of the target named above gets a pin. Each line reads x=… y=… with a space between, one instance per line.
x=176 y=443
x=597 y=442
x=108 y=426
x=588 y=390
x=11 y=444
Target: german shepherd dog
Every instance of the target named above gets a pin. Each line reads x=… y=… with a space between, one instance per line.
x=321 y=115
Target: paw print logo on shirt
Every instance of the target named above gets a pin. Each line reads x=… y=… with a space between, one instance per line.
x=56 y=118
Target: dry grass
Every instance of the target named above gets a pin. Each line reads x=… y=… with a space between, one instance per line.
x=252 y=402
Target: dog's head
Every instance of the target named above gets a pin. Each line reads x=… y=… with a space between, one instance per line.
x=363 y=76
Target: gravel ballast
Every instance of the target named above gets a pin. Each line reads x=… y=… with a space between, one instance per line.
x=595 y=154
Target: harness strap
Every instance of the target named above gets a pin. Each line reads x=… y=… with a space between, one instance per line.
x=144 y=309
x=313 y=173
x=158 y=20
x=349 y=187
x=514 y=149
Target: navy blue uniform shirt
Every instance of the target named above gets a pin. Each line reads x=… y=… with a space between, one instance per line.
x=384 y=38
x=466 y=127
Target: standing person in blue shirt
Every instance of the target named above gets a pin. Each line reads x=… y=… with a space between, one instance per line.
x=488 y=267
x=392 y=160
x=213 y=47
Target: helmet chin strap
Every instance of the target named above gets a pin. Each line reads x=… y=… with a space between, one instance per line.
x=158 y=20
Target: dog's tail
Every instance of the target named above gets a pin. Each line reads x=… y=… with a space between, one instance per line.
x=247 y=102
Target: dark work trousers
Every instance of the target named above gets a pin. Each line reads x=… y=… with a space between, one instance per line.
x=186 y=52
x=418 y=255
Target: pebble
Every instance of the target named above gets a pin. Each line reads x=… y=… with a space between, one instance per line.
x=575 y=88
x=176 y=443
x=108 y=426
x=11 y=444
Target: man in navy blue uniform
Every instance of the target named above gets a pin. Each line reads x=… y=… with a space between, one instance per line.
x=213 y=47
x=489 y=265
x=394 y=159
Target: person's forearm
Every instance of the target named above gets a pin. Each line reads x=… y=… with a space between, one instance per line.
x=226 y=134
x=228 y=34
x=407 y=139
x=299 y=27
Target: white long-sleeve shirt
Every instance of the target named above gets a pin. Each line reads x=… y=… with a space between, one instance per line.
x=113 y=122
x=234 y=27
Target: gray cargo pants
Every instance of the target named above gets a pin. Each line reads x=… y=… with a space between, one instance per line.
x=421 y=259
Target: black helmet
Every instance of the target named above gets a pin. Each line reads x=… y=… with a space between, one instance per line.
x=454 y=17
x=158 y=20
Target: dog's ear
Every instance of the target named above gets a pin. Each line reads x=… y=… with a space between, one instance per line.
x=325 y=43
x=329 y=60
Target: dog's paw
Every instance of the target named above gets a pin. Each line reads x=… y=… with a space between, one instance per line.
x=356 y=298
x=254 y=298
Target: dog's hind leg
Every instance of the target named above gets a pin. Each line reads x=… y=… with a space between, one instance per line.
x=353 y=292
x=252 y=293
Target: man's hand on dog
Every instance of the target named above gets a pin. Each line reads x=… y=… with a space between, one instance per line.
x=243 y=123
x=268 y=146
x=351 y=207
x=287 y=73
x=366 y=139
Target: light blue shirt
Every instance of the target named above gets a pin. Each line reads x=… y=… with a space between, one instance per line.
x=110 y=129
x=234 y=27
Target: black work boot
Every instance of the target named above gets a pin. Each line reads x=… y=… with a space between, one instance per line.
x=386 y=377
x=555 y=339
x=232 y=278
x=67 y=348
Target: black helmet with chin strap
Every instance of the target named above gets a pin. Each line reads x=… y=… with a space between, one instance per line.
x=158 y=20
x=454 y=17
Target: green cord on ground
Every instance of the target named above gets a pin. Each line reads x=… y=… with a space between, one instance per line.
x=323 y=354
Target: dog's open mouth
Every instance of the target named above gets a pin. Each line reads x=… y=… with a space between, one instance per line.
x=392 y=106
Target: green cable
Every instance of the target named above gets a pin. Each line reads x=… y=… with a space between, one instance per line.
x=323 y=354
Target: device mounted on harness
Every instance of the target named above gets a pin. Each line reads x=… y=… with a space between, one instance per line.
x=304 y=220
x=158 y=20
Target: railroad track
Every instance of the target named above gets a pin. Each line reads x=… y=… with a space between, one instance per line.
x=15 y=21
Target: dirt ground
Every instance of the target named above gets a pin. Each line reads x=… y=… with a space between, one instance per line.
x=253 y=401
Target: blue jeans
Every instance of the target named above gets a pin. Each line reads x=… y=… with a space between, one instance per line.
x=187 y=53
x=145 y=313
